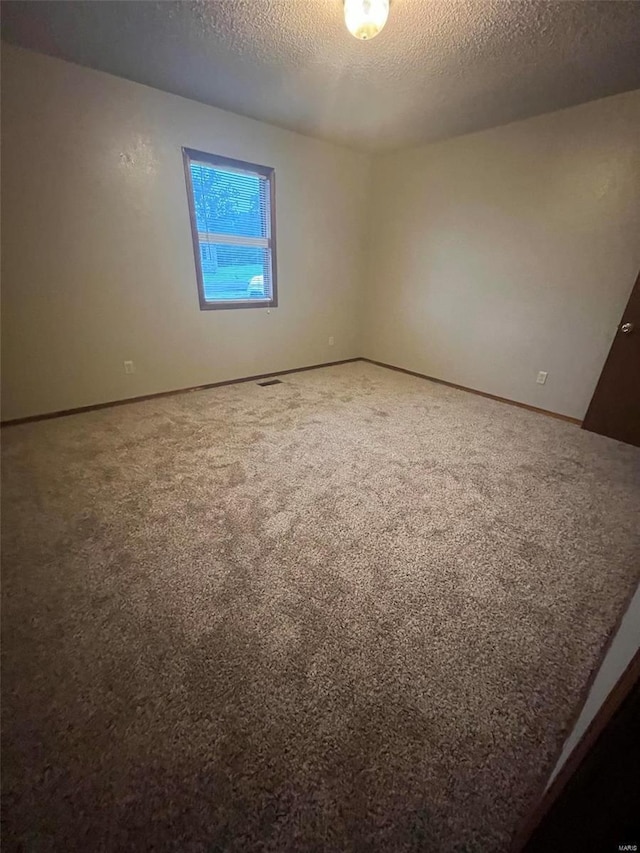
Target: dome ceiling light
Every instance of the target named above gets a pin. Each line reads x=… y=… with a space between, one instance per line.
x=365 y=18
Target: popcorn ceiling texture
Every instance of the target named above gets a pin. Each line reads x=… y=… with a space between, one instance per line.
x=352 y=612
x=438 y=69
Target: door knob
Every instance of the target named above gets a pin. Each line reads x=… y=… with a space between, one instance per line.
x=626 y=328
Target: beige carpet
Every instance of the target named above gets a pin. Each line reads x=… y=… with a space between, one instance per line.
x=351 y=612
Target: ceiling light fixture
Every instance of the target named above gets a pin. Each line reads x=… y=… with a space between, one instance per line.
x=365 y=18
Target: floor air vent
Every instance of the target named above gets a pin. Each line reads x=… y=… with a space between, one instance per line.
x=270 y=382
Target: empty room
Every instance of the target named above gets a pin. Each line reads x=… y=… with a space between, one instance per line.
x=320 y=426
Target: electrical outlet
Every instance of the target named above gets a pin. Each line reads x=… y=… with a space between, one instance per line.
x=128 y=367
x=331 y=341
x=542 y=377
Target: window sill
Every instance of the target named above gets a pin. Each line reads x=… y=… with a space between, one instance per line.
x=244 y=303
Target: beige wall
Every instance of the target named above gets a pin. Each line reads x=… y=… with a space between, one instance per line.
x=489 y=257
x=510 y=251
x=97 y=259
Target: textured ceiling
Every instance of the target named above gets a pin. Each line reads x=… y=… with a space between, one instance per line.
x=439 y=68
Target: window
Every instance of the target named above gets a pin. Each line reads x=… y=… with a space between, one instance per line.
x=231 y=205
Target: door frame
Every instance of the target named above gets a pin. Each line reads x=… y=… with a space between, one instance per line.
x=574 y=763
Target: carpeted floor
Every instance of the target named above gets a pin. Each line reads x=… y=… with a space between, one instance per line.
x=351 y=612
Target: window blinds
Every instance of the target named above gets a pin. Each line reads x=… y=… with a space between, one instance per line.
x=232 y=210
